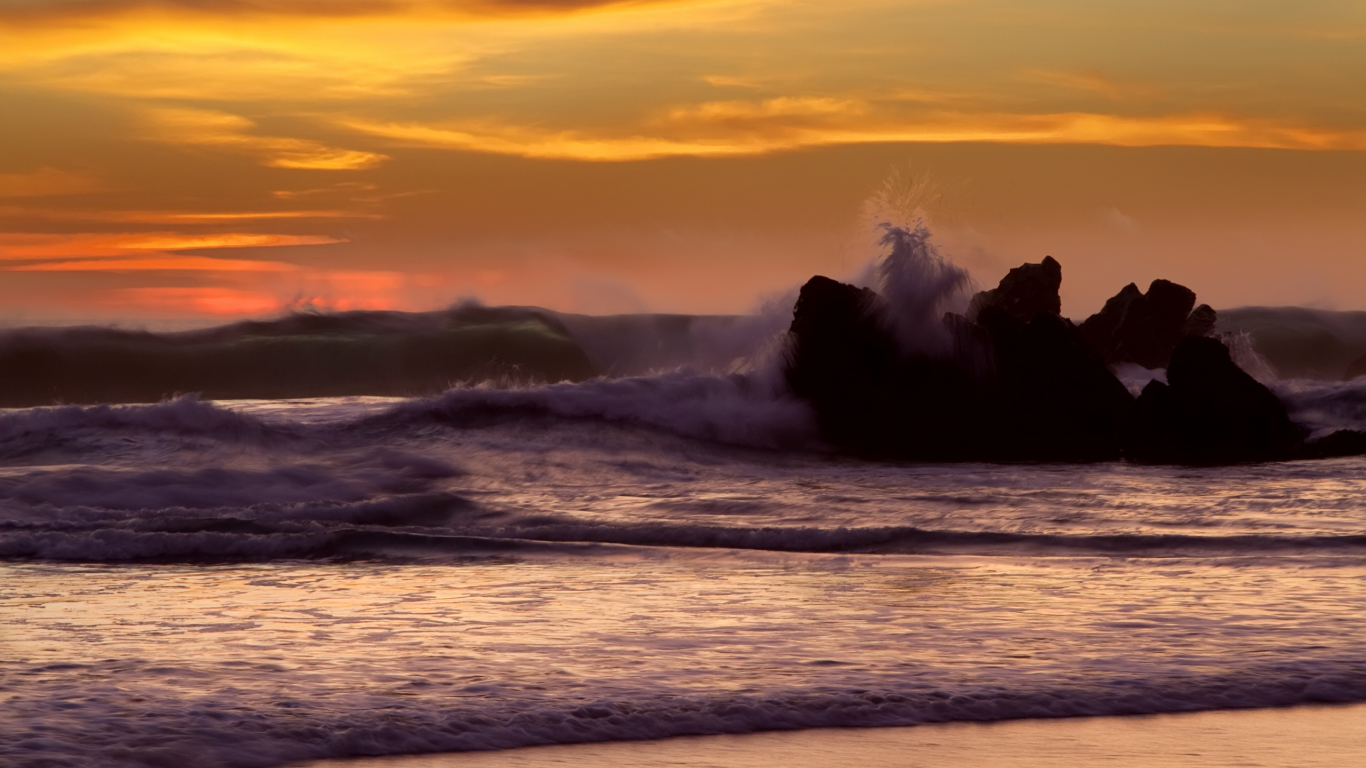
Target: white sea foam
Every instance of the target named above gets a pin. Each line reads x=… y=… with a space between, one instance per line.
x=735 y=409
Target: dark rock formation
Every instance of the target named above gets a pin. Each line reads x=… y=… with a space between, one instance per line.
x=1134 y=327
x=1211 y=412
x=1054 y=398
x=871 y=399
x=1035 y=389
x=1042 y=393
x=1026 y=292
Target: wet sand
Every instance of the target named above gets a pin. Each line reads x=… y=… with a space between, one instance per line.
x=1301 y=737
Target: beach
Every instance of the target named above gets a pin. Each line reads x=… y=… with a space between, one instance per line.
x=1300 y=737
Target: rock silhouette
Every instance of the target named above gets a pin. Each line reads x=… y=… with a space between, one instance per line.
x=869 y=396
x=1054 y=398
x=1026 y=292
x=1025 y=384
x=1134 y=327
x=1012 y=390
x=1211 y=412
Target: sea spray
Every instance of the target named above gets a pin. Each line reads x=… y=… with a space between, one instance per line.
x=919 y=285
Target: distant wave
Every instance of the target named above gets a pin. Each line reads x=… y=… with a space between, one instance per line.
x=1298 y=342
x=1324 y=406
x=304 y=355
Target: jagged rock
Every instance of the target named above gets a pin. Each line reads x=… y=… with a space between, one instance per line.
x=1201 y=321
x=1032 y=390
x=1011 y=390
x=1134 y=327
x=1211 y=412
x=1026 y=292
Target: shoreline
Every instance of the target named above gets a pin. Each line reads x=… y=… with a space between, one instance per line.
x=1315 y=736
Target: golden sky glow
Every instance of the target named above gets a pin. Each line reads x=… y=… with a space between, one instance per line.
x=687 y=155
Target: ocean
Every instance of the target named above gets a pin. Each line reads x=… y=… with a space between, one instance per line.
x=251 y=583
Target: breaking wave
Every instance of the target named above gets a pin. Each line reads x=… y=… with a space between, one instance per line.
x=222 y=731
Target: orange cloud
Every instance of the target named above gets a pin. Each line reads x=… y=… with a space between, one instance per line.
x=769 y=109
x=175 y=217
x=165 y=242
x=1093 y=82
x=729 y=81
x=170 y=264
x=734 y=128
x=220 y=129
x=538 y=143
x=45 y=246
x=31 y=12
x=345 y=188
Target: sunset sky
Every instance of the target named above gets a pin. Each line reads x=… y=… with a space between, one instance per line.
x=226 y=158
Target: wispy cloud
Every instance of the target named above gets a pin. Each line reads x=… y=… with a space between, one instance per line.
x=35 y=246
x=233 y=133
x=174 y=217
x=779 y=108
x=539 y=143
x=738 y=128
x=173 y=242
x=163 y=264
x=731 y=81
x=1093 y=82
x=32 y=12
